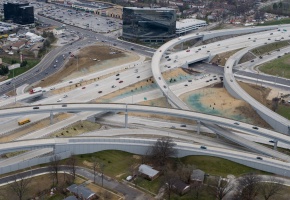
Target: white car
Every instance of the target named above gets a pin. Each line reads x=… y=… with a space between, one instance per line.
x=60 y=100
x=52 y=88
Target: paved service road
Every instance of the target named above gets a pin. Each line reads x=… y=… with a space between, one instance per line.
x=130 y=193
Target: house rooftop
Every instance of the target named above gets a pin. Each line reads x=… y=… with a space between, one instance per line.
x=149 y=171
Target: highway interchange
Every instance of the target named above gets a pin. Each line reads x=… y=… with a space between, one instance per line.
x=276 y=162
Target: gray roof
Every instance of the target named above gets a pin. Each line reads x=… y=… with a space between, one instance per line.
x=71 y=198
x=179 y=185
x=197 y=174
x=81 y=191
x=145 y=169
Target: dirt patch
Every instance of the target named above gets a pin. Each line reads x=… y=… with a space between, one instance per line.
x=217 y=101
x=3 y=78
x=247 y=57
x=88 y=60
x=221 y=59
x=76 y=129
x=257 y=92
x=137 y=157
x=30 y=128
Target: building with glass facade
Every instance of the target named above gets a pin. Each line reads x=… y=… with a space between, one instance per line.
x=20 y=13
x=149 y=24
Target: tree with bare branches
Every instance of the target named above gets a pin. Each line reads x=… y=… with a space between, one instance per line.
x=219 y=188
x=20 y=186
x=162 y=150
x=272 y=187
x=169 y=180
x=248 y=187
x=71 y=162
x=184 y=172
x=94 y=161
x=54 y=167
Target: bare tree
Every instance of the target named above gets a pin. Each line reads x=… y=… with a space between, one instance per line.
x=94 y=166
x=71 y=162
x=19 y=186
x=272 y=187
x=169 y=180
x=220 y=188
x=162 y=150
x=184 y=172
x=54 y=167
x=102 y=167
x=248 y=187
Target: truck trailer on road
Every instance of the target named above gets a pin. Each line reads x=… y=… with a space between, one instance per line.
x=35 y=90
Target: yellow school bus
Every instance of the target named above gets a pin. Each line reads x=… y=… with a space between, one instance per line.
x=23 y=121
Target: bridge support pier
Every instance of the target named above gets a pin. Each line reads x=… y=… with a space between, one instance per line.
x=126 y=118
x=275 y=145
x=51 y=117
x=198 y=127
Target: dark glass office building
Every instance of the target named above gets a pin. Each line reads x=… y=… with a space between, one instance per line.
x=149 y=24
x=20 y=13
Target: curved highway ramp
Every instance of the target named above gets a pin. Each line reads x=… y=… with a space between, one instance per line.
x=245 y=143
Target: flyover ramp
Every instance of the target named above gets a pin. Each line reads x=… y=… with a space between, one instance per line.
x=26 y=156
x=246 y=143
x=83 y=145
x=147 y=109
x=278 y=122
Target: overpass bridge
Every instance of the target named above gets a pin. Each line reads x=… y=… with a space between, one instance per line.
x=207 y=120
x=64 y=147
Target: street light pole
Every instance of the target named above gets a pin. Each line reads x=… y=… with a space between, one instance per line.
x=77 y=63
x=14 y=87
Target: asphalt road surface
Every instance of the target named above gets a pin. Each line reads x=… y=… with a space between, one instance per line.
x=129 y=192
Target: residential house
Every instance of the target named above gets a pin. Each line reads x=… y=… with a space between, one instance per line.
x=179 y=187
x=148 y=172
x=82 y=192
x=197 y=175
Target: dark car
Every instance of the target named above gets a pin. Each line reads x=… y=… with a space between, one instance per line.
x=259 y=158
x=117 y=74
x=100 y=92
x=255 y=127
x=36 y=107
x=120 y=81
x=117 y=79
x=183 y=125
x=63 y=105
x=203 y=147
x=138 y=76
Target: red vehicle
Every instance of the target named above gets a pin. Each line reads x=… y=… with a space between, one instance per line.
x=83 y=87
x=188 y=50
x=120 y=81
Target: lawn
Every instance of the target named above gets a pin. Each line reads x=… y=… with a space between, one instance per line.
x=20 y=70
x=116 y=163
x=276 y=22
x=152 y=186
x=270 y=47
x=284 y=111
x=278 y=67
x=218 y=166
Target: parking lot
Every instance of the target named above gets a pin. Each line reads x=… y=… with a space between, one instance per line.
x=81 y=19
